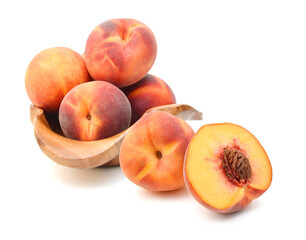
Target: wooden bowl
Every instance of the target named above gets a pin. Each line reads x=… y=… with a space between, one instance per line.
x=89 y=154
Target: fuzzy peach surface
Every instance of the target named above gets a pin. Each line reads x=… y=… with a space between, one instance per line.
x=152 y=153
x=51 y=74
x=94 y=110
x=120 y=51
x=149 y=92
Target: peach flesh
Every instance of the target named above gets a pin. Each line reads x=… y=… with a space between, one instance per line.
x=204 y=172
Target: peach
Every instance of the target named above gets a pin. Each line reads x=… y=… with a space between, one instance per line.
x=152 y=152
x=94 y=110
x=149 y=92
x=226 y=167
x=51 y=74
x=120 y=51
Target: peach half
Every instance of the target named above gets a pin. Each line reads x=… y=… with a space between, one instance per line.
x=226 y=167
x=52 y=74
x=149 y=92
x=120 y=51
x=93 y=111
x=152 y=152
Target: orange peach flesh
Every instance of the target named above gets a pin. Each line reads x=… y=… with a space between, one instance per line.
x=152 y=153
x=205 y=176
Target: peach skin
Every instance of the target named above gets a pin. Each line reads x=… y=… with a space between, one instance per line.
x=152 y=152
x=51 y=74
x=226 y=167
x=120 y=51
x=94 y=110
x=149 y=92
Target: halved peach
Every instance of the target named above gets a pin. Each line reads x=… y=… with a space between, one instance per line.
x=226 y=167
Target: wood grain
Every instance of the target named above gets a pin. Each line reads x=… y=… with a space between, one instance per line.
x=89 y=154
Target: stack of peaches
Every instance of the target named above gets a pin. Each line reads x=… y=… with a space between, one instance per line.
x=108 y=89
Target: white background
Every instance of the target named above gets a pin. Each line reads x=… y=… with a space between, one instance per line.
x=236 y=61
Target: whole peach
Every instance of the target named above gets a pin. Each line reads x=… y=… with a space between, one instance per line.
x=149 y=92
x=152 y=152
x=51 y=74
x=94 y=110
x=120 y=51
